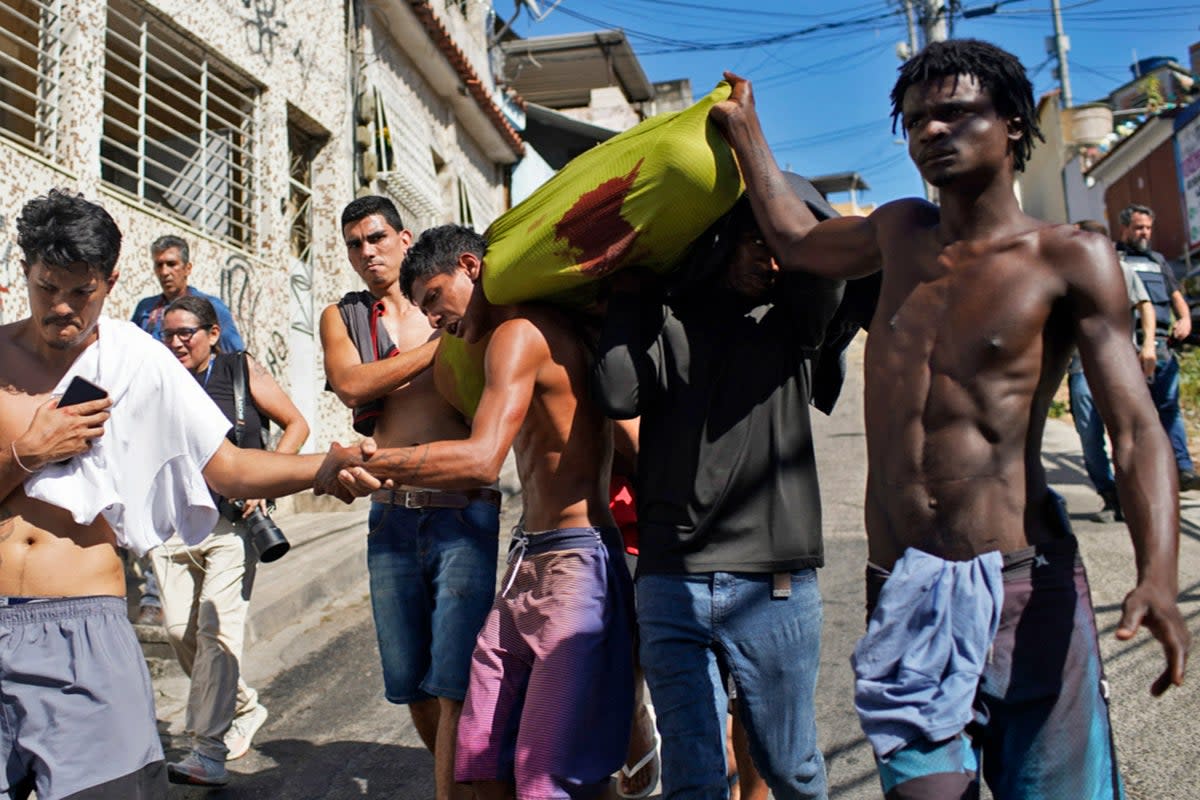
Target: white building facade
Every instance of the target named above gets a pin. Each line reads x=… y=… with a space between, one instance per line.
x=244 y=126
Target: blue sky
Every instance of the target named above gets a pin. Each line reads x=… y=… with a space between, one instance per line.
x=823 y=94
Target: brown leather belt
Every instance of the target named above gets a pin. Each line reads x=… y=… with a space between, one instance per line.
x=432 y=498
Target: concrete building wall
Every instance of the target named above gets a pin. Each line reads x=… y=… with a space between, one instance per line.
x=1041 y=184
x=1085 y=200
x=1154 y=182
x=436 y=158
x=608 y=109
x=298 y=68
x=292 y=55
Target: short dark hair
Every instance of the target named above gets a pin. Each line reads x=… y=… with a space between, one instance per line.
x=999 y=72
x=60 y=229
x=199 y=306
x=436 y=252
x=1134 y=208
x=169 y=241
x=363 y=207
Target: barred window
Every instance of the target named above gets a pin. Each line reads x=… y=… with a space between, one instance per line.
x=179 y=127
x=302 y=150
x=30 y=68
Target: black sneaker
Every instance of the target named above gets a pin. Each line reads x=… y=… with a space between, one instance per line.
x=1188 y=480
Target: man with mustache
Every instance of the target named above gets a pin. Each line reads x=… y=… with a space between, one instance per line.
x=75 y=482
x=431 y=554
x=981 y=653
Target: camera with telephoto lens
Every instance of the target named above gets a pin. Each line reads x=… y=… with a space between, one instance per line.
x=264 y=535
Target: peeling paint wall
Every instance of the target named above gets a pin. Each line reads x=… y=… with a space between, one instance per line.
x=434 y=151
x=295 y=58
x=295 y=52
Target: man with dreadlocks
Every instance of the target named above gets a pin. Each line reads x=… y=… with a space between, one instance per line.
x=981 y=650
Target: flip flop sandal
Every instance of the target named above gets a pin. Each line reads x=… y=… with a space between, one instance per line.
x=650 y=759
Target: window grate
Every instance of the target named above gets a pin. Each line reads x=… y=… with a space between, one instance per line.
x=31 y=49
x=179 y=126
x=302 y=149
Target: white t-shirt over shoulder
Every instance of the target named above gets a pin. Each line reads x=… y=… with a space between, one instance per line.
x=144 y=474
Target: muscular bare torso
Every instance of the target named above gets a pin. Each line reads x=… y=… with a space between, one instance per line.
x=415 y=413
x=564 y=447
x=43 y=552
x=967 y=346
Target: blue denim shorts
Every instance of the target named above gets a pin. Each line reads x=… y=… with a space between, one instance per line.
x=433 y=577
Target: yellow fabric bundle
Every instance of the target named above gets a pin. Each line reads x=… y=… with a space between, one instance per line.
x=458 y=372
x=640 y=198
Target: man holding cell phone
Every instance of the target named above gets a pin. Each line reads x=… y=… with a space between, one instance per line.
x=76 y=481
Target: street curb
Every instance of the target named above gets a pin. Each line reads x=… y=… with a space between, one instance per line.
x=327 y=560
x=328 y=557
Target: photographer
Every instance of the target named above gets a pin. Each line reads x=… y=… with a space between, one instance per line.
x=206 y=588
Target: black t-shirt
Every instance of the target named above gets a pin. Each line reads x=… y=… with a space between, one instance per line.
x=217 y=381
x=727 y=476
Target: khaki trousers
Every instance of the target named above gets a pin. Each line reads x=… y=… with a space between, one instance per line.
x=206 y=597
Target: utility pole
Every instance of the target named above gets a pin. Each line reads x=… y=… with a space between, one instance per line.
x=1061 y=45
x=935 y=20
x=913 y=46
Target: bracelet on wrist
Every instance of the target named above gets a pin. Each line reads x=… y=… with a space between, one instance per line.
x=17 y=458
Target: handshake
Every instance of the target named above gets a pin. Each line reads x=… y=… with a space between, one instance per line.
x=344 y=472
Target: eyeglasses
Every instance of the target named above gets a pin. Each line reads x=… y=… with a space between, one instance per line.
x=183 y=334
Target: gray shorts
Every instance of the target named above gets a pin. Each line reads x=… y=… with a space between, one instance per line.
x=76 y=707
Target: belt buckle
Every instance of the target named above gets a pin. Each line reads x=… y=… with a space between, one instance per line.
x=417 y=499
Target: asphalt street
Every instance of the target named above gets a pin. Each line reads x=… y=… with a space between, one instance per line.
x=332 y=735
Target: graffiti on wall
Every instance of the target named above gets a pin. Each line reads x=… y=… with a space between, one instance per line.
x=306 y=58
x=301 y=281
x=10 y=268
x=277 y=355
x=264 y=25
x=239 y=292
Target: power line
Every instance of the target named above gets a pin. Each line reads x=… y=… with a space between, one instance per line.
x=683 y=46
x=744 y=12
x=839 y=133
x=845 y=61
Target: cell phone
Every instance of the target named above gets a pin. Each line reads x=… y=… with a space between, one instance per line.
x=79 y=391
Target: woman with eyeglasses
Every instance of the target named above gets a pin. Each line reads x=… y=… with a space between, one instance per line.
x=206 y=588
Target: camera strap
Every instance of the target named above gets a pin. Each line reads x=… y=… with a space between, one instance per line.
x=239 y=398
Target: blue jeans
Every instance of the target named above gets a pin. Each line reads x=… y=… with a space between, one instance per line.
x=1165 y=391
x=433 y=577
x=697 y=628
x=1090 y=428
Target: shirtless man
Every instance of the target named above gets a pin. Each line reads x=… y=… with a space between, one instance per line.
x=980 y=307
x=431 y=555
x=549 y=709
x=78 y=713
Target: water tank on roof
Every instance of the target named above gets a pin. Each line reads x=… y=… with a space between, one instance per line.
x=1091 y=123
x=1145 y=65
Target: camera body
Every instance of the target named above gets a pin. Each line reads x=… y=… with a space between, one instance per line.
x=264 y=535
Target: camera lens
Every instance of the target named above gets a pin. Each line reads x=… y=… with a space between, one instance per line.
x=266 y=538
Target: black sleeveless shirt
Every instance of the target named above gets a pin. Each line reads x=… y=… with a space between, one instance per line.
x=217 y=381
